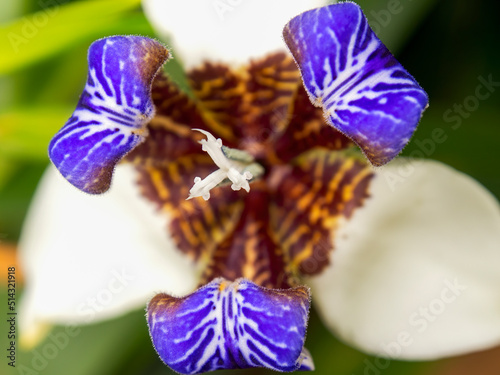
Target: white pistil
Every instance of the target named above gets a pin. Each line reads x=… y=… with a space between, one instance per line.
x=227 y=169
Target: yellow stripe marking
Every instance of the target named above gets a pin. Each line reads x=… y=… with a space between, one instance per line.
x=157 y=180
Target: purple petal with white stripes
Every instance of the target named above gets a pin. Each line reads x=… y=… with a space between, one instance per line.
x=364 y=91
x=111 y=116
x=226 y=325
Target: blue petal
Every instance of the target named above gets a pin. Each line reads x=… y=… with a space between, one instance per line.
x=111 y=116
x=364 y=91
x=306 y=361
x=227 y=325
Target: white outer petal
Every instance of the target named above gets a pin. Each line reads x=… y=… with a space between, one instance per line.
x=399 y=254
x=246 y=29
x=113 y=249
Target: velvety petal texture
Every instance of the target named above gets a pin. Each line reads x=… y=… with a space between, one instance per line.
x=415 y=272
x=225 y=30
x=89 y=258
x=227 y=325
x=114 y=108
x=364 y=91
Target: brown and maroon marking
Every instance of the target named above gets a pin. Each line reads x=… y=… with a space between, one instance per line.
x=284 y=227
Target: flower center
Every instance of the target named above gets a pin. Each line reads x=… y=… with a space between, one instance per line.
x=235 y=166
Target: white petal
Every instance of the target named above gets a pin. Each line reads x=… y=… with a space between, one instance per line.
x=88 y=258
x=228 y=30
x=395 y=287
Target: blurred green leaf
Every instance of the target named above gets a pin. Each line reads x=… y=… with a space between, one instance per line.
x=9 y=9
x=97 y=349
x=26 y=132
x=15 y=196
x=61 y=78
x=467 y=144
x=394 y=21
x=6 y=170
x=176 y=72
x=42 y=34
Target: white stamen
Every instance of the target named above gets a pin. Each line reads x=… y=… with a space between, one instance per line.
x=227 y=169
x=213 y=147
x=201 y=188
x=239 y=180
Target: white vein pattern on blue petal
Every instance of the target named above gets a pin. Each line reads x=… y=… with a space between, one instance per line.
x=226 y=334
x=110 y=117
x=351 y=74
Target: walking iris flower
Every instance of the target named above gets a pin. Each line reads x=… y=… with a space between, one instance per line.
x=256 y=177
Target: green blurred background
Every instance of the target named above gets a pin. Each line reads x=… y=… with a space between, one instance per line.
x=447 y=45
